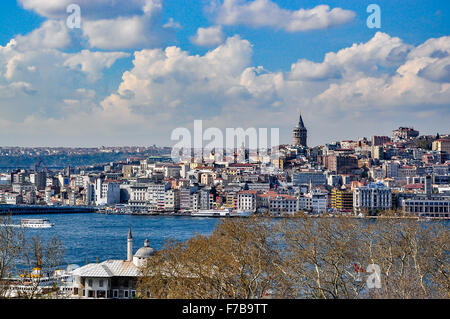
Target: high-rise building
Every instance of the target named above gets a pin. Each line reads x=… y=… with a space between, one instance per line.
x=300 y=133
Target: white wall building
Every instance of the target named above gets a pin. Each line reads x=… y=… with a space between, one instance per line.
x=112 y=278
x=106 y=192
x=372 y=197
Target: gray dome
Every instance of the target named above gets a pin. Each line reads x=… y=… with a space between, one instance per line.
x=146 y=251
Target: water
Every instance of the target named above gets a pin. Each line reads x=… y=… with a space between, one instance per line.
x=91 y=235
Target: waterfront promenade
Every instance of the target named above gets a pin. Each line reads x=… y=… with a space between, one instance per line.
x=37 y=209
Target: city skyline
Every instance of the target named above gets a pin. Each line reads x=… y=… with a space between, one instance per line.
x=228 y=63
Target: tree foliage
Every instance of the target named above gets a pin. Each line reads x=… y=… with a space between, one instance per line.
x=304 y=257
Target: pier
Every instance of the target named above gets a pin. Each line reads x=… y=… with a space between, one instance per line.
x=37 y=209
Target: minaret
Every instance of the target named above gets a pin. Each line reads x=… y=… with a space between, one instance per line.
x=130 y=246
x=300 y=133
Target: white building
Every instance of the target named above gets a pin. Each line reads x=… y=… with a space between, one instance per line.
x=13 y=198
x=112 y=278
x=172 y=200
x=315 y=202
x=156 y=194
x=185 y=199
x=138 y=195
x=390 y=169
x=247 y=200
x=372 y=197
x=283 y=204
x=106 y=192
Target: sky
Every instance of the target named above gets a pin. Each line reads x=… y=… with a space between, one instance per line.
x=136 y=70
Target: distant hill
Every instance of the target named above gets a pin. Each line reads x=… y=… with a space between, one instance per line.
x=63 y=160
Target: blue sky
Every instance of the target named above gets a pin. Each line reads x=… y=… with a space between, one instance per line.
x=100 y=85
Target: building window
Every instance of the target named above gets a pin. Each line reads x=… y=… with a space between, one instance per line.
x=75 y=291
x=115 y=293
x=100 y=283
x=125 y=293
x=90 y=282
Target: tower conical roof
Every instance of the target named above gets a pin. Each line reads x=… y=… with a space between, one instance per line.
x=300 y=122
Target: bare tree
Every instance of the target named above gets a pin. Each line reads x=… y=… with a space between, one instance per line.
x=43 y=256
x=11 y=239
x=236 y=261
x=304 y=257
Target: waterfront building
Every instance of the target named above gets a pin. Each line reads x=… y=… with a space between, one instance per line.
x=282 y=203
x=106 y=192
x=314 y=201
x=437 y=206
x=156 y=194
x=172 y=200
x=13 y=198
x=138 y=195
x=341 y=200
x=247 y=200
x=112 y=278
x=231 y=200
x=372 y=197
x=206 y=199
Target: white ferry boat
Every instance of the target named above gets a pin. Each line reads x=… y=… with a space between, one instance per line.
x=36 y=223
x=217 y=213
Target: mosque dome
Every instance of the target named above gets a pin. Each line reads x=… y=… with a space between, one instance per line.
x=146 y=251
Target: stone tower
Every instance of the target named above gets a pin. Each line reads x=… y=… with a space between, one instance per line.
x=300 y=133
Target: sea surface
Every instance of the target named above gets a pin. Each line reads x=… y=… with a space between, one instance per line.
x=86 y=236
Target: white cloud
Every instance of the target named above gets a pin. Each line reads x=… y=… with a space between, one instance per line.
x=93 y=63
x=105 y=24
x=361 y=89
x=363 y=82
x=172 y=24
x=52 y=34
x=36 y=81
x=91 y=9
x=208 y=36
x=265 y=13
